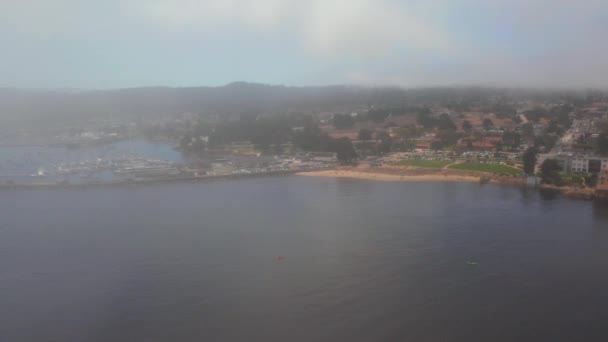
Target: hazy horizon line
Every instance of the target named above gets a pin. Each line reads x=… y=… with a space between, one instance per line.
x=296 y=86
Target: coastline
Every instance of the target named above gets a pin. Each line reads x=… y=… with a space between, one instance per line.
x=411 y=174
x=386 y=173
x=573 y=192
x=155 y=180
x=381 y=176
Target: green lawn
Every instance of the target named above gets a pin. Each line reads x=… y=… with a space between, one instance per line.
x=490 y=168
x=431 y=164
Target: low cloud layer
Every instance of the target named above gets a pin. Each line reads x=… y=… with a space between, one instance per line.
x=554 y=43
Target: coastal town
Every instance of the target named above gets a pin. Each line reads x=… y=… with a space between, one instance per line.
x=555 y=141
x=303 y=171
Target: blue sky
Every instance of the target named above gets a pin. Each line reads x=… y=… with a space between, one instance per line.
x=127 y=43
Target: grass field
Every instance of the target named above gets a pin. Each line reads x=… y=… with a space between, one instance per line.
x=490 y=168
x=431 y=164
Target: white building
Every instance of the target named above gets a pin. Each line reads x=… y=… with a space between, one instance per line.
x=579 y=164
x=583 y=163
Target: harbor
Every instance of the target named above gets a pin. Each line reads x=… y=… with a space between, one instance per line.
x=135 y=162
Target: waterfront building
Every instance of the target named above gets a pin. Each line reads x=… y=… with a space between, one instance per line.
x=579 y=163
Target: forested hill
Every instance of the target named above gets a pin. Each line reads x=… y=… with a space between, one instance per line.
x=44 y=107
x=27 y=105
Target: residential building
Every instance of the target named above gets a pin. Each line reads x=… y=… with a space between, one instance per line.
x=582 y=163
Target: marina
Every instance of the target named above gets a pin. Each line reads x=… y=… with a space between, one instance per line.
x=134 y=161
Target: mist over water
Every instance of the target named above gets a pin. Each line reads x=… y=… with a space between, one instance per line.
x=363 y=261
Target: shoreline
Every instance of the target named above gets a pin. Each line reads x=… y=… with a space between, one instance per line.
x=155 y=180
x=413 y=174
x=391 y=173
x=360 y=174
x=442 y=175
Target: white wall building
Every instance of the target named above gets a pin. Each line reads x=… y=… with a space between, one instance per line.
x=583 y=163
x=579 y=164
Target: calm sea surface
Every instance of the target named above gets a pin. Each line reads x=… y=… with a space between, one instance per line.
x=362 y=261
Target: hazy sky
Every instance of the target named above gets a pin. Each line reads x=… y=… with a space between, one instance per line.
x=124 y=43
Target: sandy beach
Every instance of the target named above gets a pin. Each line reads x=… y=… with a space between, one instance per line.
x=391 y=175
x=437 y=175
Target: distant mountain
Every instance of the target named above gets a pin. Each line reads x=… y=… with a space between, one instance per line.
x=26 y=105
x=44 y=107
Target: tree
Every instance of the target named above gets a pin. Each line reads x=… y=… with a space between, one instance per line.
x=555 y=127
x=193 y=145
x=503 y=110
x=343 y=121
x=529 y=159
x=550 y=170
x=345 y=150
x=562 y=116
x=199 y=146
x=201 y=130
x=516 y=119
x=466 y=126
x=408 y=132
x=425 y=120
x=185 y=142
x=437 y=145
x=511 y=138
x=365 y=134
x=385 y=142
x=591 y=180
x=312 y=138
x=445 y=122
x=278 y=149
x=536 y=114
x=448 y=137
x=547 y=141
x=404 y=140
x=602 y=143
x=527 y=131
x=403 y=145
x=487 y=124
x=378 y=115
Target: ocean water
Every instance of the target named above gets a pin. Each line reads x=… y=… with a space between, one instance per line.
x=301 y=259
